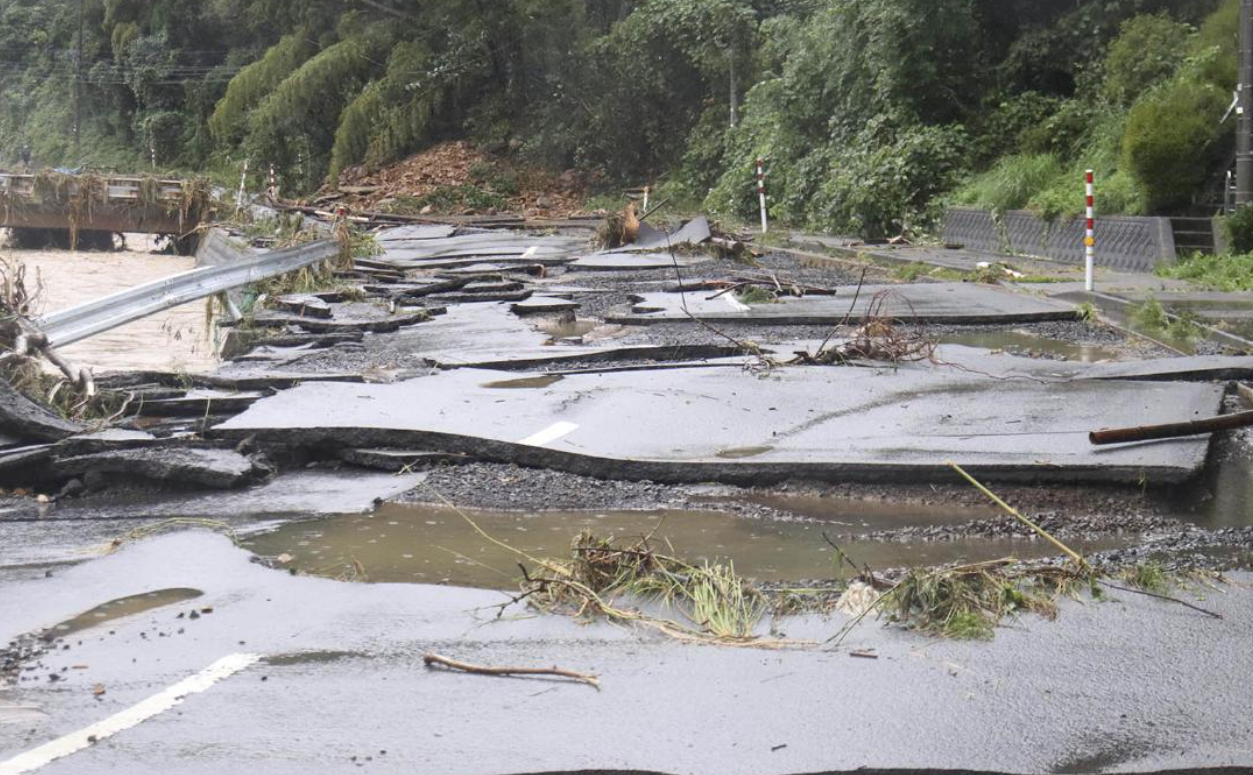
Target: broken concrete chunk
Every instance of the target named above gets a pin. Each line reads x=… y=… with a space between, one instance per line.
x=305 y=304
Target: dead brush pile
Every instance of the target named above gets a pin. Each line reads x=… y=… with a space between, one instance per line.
x=879 y=337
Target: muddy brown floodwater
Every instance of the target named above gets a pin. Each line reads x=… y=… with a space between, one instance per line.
x=175 y=340
x=434 y=545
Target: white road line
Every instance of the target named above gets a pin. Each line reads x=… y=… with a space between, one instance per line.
x=735 y=303
x=132 y=716
x=544 y=437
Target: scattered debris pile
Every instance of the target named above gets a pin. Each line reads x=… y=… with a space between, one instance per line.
x=456 y=178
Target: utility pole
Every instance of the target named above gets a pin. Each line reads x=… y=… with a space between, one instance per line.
x=735 y=93
x=78 y=83
x=1244 y=108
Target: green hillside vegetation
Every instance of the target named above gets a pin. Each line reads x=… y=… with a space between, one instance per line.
x=875 y=114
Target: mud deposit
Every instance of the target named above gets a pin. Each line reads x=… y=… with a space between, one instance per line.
x=435 y=545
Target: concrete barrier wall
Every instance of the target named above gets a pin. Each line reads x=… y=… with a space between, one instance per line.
x=1132 y=244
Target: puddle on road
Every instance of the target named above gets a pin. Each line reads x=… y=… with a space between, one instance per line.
x=1026 y=343
x=426 y=544
x=525 y=383
x=122 y=607
x=868 y=515
x=173 y=340
x=1223 y=496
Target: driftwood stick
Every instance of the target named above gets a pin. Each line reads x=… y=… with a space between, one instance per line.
x=1147 y=593
x=465 y=667
x=1174 y=430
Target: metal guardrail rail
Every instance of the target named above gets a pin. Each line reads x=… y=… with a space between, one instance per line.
x=86 y=320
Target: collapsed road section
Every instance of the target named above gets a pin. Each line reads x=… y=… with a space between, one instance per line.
x=453 y=399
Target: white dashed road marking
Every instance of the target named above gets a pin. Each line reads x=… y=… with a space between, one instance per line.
x=544 y=437
x=132 y=716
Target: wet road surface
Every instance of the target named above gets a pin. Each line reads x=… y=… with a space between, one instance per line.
x=313 y=676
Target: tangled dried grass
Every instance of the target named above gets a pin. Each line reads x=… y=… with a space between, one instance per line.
x=715 y=603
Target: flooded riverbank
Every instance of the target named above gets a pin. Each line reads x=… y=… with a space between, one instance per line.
x=175 y=340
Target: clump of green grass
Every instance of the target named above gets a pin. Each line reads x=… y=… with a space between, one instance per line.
x=1088 y=312
x=715 y=603
x=1149 y=576
x=755 y=294
x=1151 y=318
x=968 y=602
x=1220 y=273
x=450 y=199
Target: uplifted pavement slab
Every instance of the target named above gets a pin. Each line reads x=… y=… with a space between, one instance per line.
x=718 y=424
x=327 y=677
x=492 y=336
x=1191 y=368
x=633 y=262
x=951 y=303
x=415 y=232
x=496 y=246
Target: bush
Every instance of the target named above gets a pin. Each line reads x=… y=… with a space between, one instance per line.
x=1172 y=142
x=1239 y=230
x=1149 y=49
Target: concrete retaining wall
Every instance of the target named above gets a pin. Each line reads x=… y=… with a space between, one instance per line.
x=1132 y=244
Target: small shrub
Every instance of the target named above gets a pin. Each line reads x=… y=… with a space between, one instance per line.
x=1239 y=229
x=1149 y=316
x=1172 y=140
x=1148 y=50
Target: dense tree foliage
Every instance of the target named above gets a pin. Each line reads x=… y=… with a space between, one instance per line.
x=873 y=113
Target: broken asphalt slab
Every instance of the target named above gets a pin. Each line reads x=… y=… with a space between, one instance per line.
x=718 y=424
x=937 y=303
x=923 y=705
x=633 y=262
x=491 y=336
x=216 y=468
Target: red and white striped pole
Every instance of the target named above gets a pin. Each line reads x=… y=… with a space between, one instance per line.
x=761 y=194
x=243 y=188
x=1089 y=240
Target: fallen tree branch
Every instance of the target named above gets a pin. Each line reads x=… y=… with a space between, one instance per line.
x=465 y=667
x=1174 y=430
x=1159 y=596
x=1079 y=561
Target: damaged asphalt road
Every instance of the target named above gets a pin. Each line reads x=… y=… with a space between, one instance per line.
x=506 y=371
x=334 y=682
